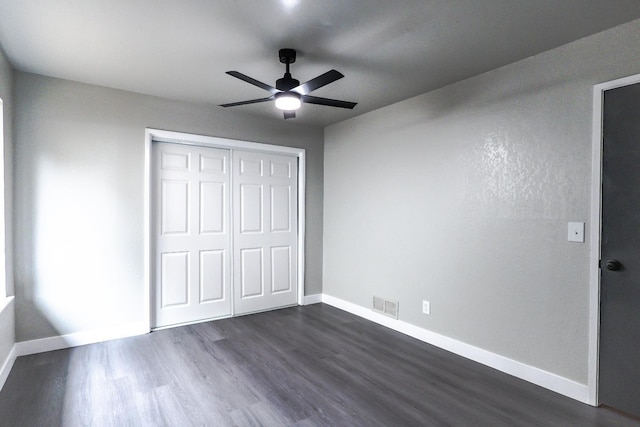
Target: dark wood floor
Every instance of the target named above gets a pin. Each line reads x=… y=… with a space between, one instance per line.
x=302 y=366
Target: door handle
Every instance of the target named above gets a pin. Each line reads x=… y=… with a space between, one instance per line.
x=613 y=265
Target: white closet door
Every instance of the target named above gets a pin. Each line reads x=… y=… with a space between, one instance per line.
x=265 y=200
x=192 y=234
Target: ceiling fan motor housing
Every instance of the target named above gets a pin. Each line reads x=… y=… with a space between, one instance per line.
x=287 y=83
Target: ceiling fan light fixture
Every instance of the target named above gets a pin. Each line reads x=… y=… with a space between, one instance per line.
x=288 y=101
x=289 y=94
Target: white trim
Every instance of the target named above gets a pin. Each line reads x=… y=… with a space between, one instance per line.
x=229 y=144
x=7 y=365
x=214 y=141
x=230 y=241
x=76 y=339
x=5 y=302
x=147 y=228
x=595 y=230
x=302 y=203
x=42 y=345
x=312 y=299
x=512 y=367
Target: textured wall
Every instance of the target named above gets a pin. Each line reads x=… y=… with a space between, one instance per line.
x=462 y=196
x=79 y=198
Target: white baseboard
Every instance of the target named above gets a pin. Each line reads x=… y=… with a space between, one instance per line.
x=312 y=299
x=520 y=370
x=26 y=348
x=512 y=367
x=6 y=366
x=7 y=336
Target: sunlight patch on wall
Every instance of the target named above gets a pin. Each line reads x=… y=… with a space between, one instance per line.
x=74 y=246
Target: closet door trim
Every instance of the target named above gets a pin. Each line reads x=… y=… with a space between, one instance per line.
x=225 y=143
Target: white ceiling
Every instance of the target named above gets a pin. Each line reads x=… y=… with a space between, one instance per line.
x=388 y=50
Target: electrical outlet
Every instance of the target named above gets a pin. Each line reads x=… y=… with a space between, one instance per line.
x=426 y=307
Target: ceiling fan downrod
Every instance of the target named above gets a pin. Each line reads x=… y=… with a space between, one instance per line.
x=286 y=83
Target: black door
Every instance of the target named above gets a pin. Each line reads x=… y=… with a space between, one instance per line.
x=619 y=384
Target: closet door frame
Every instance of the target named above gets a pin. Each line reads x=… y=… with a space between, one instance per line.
x=224 y=143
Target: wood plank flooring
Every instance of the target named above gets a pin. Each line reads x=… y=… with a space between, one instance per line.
x=302 y=366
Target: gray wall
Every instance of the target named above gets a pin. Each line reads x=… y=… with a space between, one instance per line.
x=7 y=329
x=461 y=196
x=79 y=198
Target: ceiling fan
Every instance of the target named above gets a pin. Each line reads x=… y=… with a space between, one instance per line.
x=289 y=94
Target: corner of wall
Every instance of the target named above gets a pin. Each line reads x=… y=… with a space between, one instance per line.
x=7 y=305
x=7 y=339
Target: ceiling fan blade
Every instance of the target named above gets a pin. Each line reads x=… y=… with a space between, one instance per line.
x=253 y=81
x=251 y=101
x=322 y=80
x=330 y=102
x=289 y=115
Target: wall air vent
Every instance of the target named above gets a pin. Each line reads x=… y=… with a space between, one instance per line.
x=385 y=306
x=378 y=304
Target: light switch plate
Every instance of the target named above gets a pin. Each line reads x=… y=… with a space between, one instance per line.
x=426 y=307
x=576 y=232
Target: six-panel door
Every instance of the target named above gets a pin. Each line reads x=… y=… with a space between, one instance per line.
x=265 y=231
x=205 y=228
x=192 y=279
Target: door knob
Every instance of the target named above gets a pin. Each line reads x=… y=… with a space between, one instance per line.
x=613 y=265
